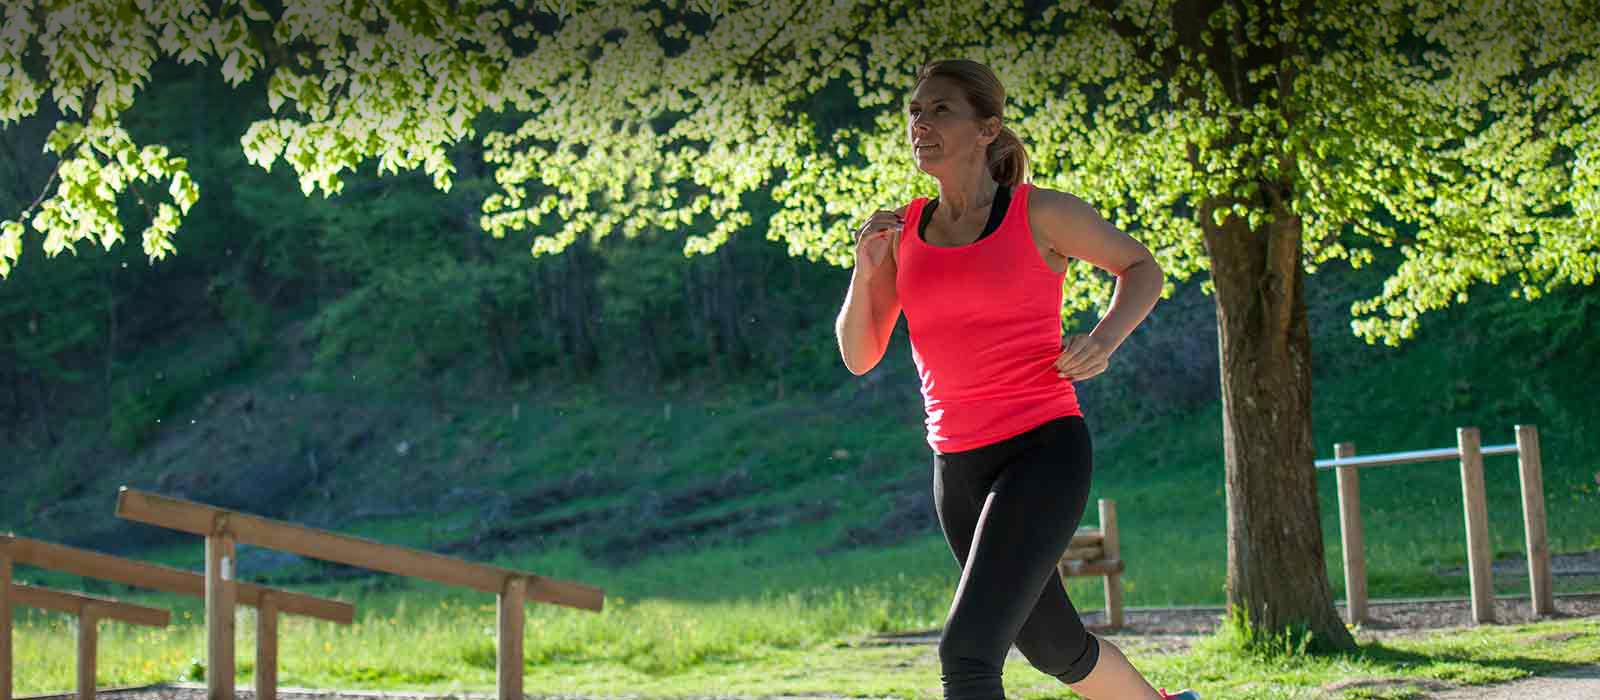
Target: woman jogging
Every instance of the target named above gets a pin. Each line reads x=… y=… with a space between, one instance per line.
x=978 y=272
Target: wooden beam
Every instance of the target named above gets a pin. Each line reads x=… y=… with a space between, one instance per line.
x=1479 y=557
x=72 y=603
x=1100 y=568
x=5 y=626
x=220 y=606
x=88 y=648
x=197 y=518
x=1087 y=538
x=90 y=564
x=1086 y=554
x=508 y=656
x=267 y=648
x=1352 y=536
x=1531 y=473
x=1112 y=550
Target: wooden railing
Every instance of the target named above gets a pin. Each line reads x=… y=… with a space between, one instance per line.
x=223 y=529
x=269 y=602
x=90 y=610
x=1470 y=452
x=1097 y=552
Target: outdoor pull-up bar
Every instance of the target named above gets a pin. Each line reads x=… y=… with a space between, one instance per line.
x=1470 y=451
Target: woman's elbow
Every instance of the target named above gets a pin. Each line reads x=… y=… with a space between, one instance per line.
x=858 y=365
x=859 y=360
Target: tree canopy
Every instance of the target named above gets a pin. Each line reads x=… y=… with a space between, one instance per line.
x=1461 y=132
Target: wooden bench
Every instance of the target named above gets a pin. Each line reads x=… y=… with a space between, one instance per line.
x=1095 y=552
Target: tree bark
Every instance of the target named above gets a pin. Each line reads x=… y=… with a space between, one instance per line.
x=1276 y=570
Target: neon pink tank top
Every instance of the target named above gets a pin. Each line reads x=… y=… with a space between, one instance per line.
x=985 y=323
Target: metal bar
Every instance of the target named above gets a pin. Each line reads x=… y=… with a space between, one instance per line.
x=1443 y=454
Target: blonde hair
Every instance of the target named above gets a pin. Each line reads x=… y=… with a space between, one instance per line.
x=1008 y=159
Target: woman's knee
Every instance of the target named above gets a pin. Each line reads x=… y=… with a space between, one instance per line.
x=1069 y=662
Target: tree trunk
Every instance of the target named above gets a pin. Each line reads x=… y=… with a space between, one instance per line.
x=1276 y=571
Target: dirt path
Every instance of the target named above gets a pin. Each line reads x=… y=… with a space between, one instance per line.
x=1572 y=684
x=1174 y=629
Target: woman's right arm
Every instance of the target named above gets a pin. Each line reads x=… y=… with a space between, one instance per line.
x=871 y=305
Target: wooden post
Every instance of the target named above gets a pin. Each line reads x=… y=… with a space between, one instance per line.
x=1531 y=472
x=267 y=648
x=88 y=640
x=509 y=660
x=220 y=600
x=1479 y=554
x=5 y=626
x=1113 y=550
x=1352 y=537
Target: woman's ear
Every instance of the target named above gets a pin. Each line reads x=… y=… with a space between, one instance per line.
x=990 y=131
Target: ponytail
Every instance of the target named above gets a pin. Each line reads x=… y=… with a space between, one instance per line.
x=1008 y=159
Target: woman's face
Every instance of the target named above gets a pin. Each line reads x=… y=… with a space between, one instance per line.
x=944 y=129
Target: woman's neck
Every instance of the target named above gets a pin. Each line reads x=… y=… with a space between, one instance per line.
x=959 y=198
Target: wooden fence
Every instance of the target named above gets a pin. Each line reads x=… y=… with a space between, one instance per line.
x=268 y=602
x=223 y=529
x=1470 y=452
x=90 y=610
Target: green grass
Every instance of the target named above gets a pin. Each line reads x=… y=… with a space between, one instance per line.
x=789 y=644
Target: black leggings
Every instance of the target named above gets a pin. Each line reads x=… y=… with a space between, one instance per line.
x=1008 y=511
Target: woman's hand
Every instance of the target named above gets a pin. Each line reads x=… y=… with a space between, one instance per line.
x=874 y=238
x=1082 y=357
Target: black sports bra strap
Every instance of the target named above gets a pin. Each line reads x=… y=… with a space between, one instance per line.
x=997 y=213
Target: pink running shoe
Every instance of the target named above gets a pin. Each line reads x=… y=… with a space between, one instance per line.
x=1180 y=695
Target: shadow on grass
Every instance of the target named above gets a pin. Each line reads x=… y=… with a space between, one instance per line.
x=1410 y=662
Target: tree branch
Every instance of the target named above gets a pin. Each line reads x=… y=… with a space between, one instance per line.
x=1164 y=62
x=748 y=62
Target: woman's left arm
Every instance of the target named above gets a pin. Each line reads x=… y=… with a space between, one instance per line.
x=1073 y=229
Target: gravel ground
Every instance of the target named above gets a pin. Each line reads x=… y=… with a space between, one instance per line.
x=1389 y=618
